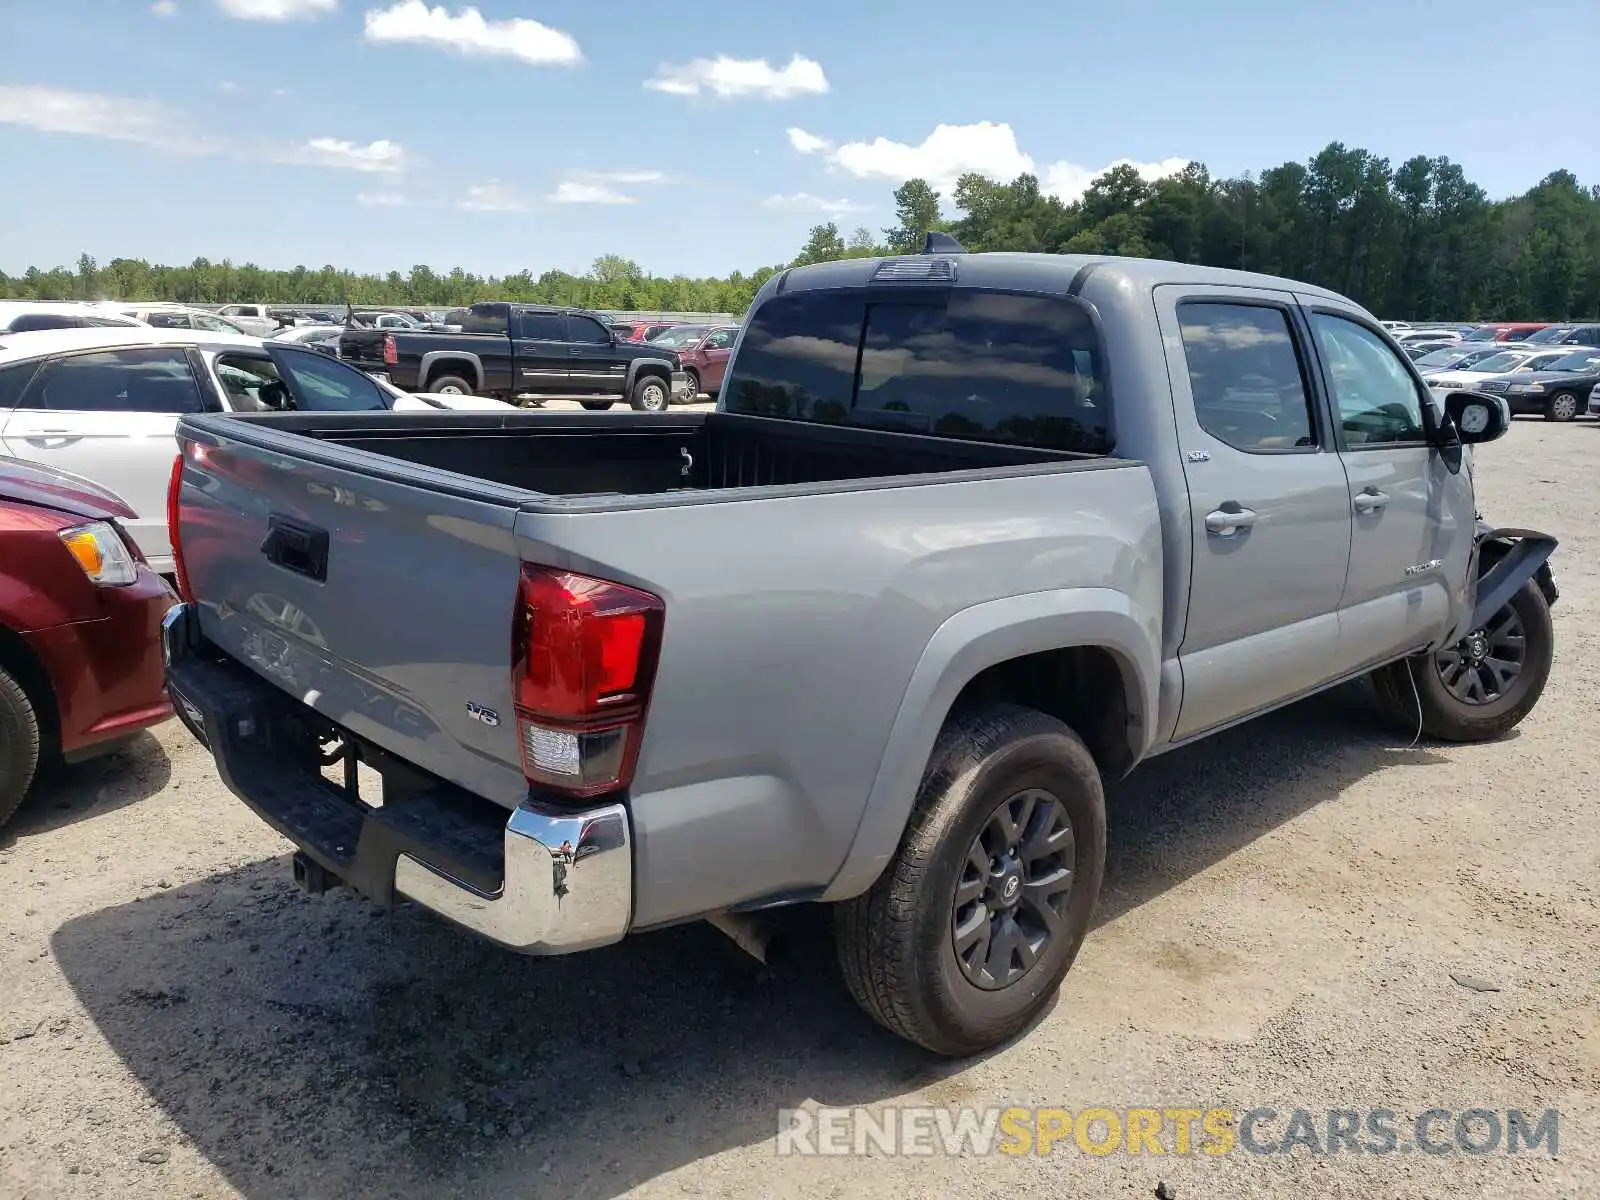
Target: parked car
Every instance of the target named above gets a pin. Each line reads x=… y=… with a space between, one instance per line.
x=80 y=626
x=255 y=319
x=1559 y=391
x=1503 y=365
x=964 y=536
x=1504 y=331
x=1565 y=335
x=317 y=337
x=174 y=316
x=1460 y=356
x=103 y=403
x=1594 y=401
x=507 y=350
x=1417 y=349
x=23 y=316
x=703 y=352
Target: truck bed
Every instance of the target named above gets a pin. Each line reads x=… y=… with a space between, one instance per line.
x=579 y=460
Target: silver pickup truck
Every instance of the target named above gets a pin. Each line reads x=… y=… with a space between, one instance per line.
x=966 y=536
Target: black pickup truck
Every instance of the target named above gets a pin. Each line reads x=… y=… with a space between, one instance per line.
x=510 y=350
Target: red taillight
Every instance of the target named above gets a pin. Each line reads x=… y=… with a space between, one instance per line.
x=583 y=654
x=174 y=485
x=390 y=354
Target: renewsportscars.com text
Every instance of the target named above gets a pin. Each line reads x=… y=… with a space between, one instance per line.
x=912 y=1131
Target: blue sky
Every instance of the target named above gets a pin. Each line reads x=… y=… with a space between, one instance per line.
x=375 y=134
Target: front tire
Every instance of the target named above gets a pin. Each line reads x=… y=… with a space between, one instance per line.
x=1563 y=406
x=19 y=745
x=650 y=394
x=694 y=382
x=450 y=385
x=1482 y=687
x=966 y=936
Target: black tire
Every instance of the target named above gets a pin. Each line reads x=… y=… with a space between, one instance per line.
x=897 y=941
x=1445 y=715
x=1562 y=406
x=19 y=745
x=597 y=405
x=651 y=393
x=450 y=385
x=694 y=381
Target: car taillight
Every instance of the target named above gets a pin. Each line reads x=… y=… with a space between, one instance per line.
x=390 y=355
x=583 y=654
x=174 y=485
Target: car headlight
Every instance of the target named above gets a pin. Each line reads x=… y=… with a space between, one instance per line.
x=99 y=549
x=1526 y=387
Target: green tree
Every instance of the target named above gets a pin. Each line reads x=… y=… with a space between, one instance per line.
x=824 y=245
x=916 y=207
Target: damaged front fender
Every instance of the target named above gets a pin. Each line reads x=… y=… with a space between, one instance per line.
x=1507 y=559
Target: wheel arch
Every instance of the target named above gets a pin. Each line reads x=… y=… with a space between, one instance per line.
x=18 y=660
x=1086 y=656
x=467 y=364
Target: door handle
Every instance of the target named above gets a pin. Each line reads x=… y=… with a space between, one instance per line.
x=52 y=439
x=1369 y=501
x=1227 y=521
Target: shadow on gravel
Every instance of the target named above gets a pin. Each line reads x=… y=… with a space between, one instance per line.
x=318 y=1046
x=64 y=794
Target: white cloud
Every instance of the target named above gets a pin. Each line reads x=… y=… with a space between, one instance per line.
x=1068 y=181
x=381 y=156
x=383 y=199
x=467 y=32
x=90 y=114
x=574 y=191
x=808 y=143
x=806 y=202
x=950 y=151
x=627 y=176
x=942 y=157
x=165 y=8
x=732 y=78
x=276 y=10
x=493 y=196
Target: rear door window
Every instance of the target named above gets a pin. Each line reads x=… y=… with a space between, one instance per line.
x=542 y=327
x=155 y=380
x=1246 y=377
x=982 y=365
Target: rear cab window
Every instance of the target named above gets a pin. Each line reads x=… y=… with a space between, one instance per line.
x=960 y=362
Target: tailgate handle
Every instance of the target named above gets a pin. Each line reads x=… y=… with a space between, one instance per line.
x=302 y=549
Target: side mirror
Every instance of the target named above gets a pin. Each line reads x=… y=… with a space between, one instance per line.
x=1478 y=417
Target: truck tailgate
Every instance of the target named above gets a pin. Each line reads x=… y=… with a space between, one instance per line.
x=384 y=605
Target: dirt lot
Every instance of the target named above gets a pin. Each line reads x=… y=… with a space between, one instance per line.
x=1285 y=909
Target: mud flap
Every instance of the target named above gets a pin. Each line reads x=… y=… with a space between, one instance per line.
x=1510 y=558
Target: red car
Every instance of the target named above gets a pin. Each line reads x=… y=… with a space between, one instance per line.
x=80 y=625
x=703 y=352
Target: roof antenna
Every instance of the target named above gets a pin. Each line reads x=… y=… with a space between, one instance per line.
x=935 y=242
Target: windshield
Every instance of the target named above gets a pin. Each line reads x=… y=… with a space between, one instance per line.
x=1499 y=362
x=1552 y=334
x=1481 y=335
x=1586 y=360
x=1442 y=358
x=682 y=337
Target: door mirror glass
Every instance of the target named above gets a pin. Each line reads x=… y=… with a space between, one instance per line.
x=1477 y=417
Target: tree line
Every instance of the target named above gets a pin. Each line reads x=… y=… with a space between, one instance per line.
x=1418 y=241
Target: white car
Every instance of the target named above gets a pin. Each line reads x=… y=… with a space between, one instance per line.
x=104 y=403
x=252 y=318
x=1506 y=362
x=172 y=316
x=1594 y=400
x=26 y=315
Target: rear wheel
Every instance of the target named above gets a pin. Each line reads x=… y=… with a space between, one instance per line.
x=1563 y=406
x=1484 y=685
x=650 y=394
x=966 y=936
x=597 y=405
x=449 y=385
x=19 y=745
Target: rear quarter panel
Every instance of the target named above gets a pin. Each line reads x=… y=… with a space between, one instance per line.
x=799 y=628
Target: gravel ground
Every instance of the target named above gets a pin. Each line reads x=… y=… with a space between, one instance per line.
x=1285 y=911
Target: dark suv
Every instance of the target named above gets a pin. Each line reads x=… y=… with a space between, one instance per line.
x=513 y=350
